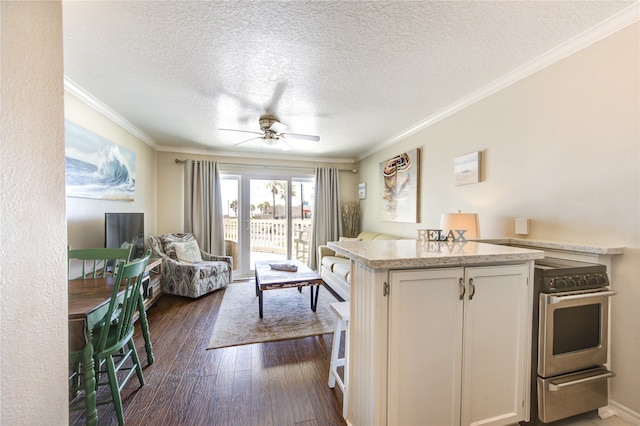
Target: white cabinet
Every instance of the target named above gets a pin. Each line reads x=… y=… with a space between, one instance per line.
x=425 y=347
x=458 y=345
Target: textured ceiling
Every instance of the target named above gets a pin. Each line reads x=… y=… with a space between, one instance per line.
x=356 y=73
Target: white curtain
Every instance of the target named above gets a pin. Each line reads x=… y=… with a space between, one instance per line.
x=203 y=215
x=327 y=223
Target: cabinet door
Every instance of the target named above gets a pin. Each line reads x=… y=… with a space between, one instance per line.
x=425 y=347
x=497 y=323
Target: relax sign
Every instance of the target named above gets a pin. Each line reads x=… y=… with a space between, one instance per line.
x=454 y=235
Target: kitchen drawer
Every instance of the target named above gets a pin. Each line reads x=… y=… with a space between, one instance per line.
x=570 y=394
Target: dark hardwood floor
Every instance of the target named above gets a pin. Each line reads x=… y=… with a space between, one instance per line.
x=276 y=383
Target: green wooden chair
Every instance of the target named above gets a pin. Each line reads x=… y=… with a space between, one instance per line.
x=96 y=262
x=113 y=336
x=93 y=263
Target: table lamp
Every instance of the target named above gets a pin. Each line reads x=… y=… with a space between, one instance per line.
x=461 y=221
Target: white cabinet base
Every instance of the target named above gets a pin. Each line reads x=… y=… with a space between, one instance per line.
x=422 y=355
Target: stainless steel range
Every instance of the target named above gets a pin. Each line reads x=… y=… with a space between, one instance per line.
x=570 y=335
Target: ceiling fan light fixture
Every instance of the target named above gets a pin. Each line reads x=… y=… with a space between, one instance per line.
x=270 y=138
x=272 y=133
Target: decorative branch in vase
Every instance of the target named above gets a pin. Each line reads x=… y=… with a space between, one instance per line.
x=350 y=218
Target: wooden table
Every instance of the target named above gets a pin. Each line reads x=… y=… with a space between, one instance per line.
x=272 y=279
x=88 y=303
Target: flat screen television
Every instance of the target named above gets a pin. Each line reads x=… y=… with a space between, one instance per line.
x=121 y=229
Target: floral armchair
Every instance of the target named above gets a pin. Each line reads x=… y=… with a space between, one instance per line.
x=194 y=277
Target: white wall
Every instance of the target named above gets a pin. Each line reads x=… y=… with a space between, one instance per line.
x=33 y=272
x=562 y=148
x=85 y=217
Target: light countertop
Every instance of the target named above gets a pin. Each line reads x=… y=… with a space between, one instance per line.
x=554 y=245
x=402 y=254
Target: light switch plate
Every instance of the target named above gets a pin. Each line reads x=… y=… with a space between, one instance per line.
x=522 y=226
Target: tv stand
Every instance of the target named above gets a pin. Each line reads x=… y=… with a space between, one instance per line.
x=152 y=282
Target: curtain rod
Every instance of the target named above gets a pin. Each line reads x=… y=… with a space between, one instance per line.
x=178 y=161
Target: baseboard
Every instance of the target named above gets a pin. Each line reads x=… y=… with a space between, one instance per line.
x=625 y=413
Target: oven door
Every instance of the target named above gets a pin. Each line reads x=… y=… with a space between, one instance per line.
x=573 y=331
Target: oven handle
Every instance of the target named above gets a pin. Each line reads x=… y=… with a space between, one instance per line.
x=557 y=299
x=553 y=387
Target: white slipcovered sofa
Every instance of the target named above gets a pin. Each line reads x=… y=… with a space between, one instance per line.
x=335 y=269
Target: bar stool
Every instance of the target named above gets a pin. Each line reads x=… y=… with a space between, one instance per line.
x=341 y=309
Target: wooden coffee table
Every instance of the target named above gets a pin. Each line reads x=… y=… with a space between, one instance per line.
x=272 y=279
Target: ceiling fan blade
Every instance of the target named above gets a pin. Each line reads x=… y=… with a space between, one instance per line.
x=284 y=145
x=243 y=131
x=240 y=143
x=312 y=138
x=277 y=127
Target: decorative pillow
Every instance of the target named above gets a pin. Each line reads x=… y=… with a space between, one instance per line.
x=169 y=240
x=188 y=252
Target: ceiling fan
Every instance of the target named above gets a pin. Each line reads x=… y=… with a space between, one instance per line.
x=272 y=134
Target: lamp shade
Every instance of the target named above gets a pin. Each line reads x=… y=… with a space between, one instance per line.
x=461 y=221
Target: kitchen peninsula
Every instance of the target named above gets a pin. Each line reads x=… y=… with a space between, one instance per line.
x=440 y=332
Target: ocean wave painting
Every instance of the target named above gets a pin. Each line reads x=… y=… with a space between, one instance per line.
x=96 y=167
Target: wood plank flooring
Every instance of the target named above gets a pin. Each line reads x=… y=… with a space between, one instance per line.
x=276 y=383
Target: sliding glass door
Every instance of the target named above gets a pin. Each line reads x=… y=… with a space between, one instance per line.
x=267 y=217
x=268 y=221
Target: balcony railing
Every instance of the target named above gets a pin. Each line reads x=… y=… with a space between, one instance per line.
x=270 y=235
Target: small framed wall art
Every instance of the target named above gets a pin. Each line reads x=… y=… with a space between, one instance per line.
x=466 y=168
x=362 y=190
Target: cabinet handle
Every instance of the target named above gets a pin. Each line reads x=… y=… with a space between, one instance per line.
x=473 y=289
x=557 y=299
x=463 y=289
x=553 y=386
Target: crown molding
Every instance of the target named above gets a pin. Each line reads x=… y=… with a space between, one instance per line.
x=602 y=30
x=77 y=91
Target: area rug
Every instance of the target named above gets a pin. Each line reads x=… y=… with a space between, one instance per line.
x=287 y=315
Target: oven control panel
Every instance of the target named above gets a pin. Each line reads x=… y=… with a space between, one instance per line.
x=571 y=282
